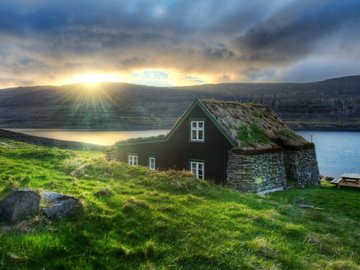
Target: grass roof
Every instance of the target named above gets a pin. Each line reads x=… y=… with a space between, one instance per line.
x=253 y=126
x=141 y=139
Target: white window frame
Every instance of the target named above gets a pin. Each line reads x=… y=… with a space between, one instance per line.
x=152 y=163
x=197 y=127
x=133 y=159
x=195 y=168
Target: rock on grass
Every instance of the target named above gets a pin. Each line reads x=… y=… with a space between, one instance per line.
x=59 y=206
x=19 y=205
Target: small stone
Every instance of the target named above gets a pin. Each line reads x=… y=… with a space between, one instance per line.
x=309 y=206
x=58 y=205
x=104 y=192
x=14 y=257
x=19 y=205
x=78 y=172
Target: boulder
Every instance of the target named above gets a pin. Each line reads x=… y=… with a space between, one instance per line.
x=19 y=205
x=58 y=205
x=326 y=178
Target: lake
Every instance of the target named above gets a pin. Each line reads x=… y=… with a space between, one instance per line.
x=337 y=151
x=94 y=137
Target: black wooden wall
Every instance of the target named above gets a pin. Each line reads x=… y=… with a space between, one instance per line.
x=179 y=150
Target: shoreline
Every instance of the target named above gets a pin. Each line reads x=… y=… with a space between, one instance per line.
x=49 y=142
x=17 y=129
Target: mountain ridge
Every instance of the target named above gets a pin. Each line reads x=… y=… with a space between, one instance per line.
x=329 y=104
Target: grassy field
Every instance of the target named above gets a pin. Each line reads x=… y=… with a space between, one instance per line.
x=153 y=220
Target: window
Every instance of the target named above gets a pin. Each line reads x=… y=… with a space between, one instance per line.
x=133 y=160
x=152 y=163
x=197 y=169
x=197 y=131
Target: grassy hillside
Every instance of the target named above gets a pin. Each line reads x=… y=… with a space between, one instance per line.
x=153 y=220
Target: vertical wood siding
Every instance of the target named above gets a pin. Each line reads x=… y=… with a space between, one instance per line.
x=179 y=150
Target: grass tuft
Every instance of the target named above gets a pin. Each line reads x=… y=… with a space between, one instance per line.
x=251 y=134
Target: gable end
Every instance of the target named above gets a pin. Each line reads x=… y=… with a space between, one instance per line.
x=178 y=123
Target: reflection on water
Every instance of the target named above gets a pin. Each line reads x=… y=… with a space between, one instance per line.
x=94 y=137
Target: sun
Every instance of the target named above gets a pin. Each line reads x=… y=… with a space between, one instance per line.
x=153 y=76
x=92 y=78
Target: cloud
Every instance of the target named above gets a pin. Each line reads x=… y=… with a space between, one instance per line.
x=151 y=74
x=298 y=30
x=206 y=40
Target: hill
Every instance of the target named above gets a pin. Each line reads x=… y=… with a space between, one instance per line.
x=333 y=103
x=169 y=220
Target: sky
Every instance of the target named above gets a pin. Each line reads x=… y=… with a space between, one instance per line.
x=174 y=43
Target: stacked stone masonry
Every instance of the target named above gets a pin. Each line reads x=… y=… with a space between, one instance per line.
x=302 y=166
x=266 y=171
x=256 y=173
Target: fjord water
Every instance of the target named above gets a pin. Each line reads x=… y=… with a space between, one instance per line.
x=94 y=137
x=337 y=151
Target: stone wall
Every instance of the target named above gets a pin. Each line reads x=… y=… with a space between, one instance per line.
x=256 y=172
x=302 y=166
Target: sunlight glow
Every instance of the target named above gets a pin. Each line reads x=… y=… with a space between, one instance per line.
x=92 y=78
x=147 y=76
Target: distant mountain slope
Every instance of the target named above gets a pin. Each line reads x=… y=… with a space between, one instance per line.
x=333 y=103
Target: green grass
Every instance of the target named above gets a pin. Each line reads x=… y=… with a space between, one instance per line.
x=251 y=134
x=153 y=220
x=258 y=114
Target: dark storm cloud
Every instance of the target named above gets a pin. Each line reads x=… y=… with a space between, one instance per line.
x=298 y=30
x=234 y=39
x=219 y=51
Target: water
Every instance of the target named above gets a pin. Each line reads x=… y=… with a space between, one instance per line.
x=338 y=152
x=94 y=137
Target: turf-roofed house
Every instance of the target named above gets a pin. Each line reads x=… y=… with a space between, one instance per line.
x=245 y=146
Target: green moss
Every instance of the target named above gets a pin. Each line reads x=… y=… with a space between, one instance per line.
x=258 y=114
x=251 y=134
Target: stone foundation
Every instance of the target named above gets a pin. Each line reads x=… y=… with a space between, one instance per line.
x=257 y=172
x=302 y=166
x=269 y=171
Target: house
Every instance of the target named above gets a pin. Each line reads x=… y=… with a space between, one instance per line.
x=245 y=146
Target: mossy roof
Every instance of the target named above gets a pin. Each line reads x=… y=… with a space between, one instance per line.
x=142 y=139
x=247 y=126
x=252 y=126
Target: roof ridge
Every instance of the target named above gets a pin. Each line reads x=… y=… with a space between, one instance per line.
x=232 y=102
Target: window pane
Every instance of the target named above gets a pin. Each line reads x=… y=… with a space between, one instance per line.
x=152 y=163
x=193 y=135
x=201 y=124
x=193 y=124
x=193 y=168
x=200 y=135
